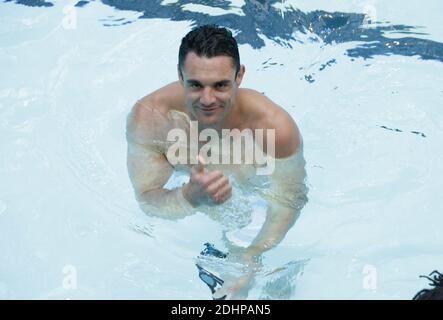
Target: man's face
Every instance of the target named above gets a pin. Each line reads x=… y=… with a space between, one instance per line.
x=210 y=87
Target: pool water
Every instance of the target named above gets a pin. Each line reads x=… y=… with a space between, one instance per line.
x=361 y=79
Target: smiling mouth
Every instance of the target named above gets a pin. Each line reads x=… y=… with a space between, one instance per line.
x=207 y=109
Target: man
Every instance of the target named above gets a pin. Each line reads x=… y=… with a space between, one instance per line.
x=208 y=94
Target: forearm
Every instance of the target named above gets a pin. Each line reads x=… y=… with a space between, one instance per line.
x=279 y=220
x=286 y=198
x=164 y=203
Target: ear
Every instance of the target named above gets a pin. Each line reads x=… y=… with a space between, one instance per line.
x=240 y=74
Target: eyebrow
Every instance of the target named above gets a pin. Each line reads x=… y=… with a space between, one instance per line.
x=224 y=82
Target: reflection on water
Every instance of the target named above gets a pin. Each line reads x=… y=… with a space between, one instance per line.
x=265 y=18
x=276 y=283
x=63 y=158
x=280 y=283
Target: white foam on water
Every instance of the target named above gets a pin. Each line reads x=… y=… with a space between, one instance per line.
x=373 y=190
x=3 y=207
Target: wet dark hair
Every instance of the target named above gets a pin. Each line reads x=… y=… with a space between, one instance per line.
x=209 y=41
x=435 y=293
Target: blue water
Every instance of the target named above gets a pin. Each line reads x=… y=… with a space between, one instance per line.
x=362 y=79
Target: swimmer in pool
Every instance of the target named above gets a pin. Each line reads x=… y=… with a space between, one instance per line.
x=208 y=99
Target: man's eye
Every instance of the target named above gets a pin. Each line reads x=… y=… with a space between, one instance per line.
x=221 y=85
x=195 y=85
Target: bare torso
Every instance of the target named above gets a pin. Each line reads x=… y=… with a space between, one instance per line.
x=150 y=169
x=255 y=111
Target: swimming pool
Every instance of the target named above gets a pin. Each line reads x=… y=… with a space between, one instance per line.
x=362 y=80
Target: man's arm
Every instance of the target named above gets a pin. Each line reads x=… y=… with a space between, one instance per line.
x=288 y=192
x=286 y=198
x=148 y=168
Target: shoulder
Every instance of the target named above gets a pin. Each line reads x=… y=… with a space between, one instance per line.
x=170 y=96
x=150 y=115
x=266 y=114
x=145 y=122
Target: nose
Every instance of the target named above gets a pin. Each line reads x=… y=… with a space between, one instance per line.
x=207 y=97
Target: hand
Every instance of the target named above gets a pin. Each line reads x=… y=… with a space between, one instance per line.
x=249 y=257
x=236 y=288
x=206 y=187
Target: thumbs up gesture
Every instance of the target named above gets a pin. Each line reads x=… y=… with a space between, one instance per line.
x=206 y=187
